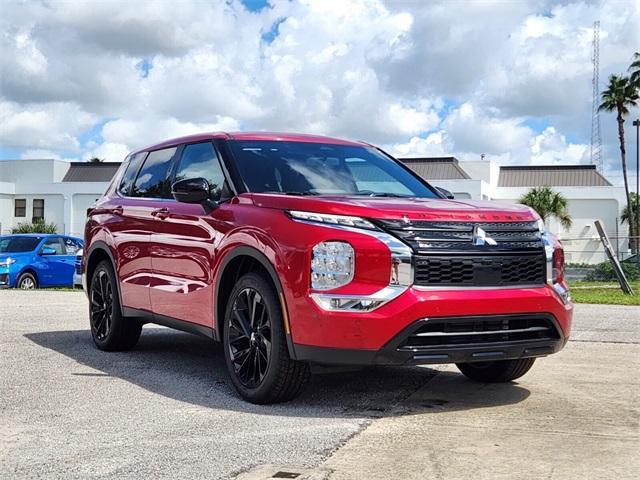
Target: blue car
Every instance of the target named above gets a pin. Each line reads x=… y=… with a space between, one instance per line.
x=37 y=260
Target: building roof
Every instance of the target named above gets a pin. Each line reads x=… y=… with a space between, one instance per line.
x=91 y=172
x=260 y=136
x=552 y=176
x=436 y=168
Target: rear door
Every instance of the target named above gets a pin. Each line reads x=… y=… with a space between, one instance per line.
x=142 y=198
x=184 y=241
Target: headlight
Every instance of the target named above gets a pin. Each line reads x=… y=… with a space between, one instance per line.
x=333 y=220
x=7 y=261
x=332 y=265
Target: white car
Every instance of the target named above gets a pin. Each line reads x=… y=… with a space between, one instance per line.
x=77 y=274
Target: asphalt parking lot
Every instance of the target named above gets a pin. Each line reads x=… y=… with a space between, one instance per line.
x=167 y=409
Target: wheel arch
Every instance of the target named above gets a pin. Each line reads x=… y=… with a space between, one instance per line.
x=237 y=262
x=97 y=252
x=30 y=270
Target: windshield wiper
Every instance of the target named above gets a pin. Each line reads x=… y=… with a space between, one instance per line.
x=381 y=194
x=294 y=193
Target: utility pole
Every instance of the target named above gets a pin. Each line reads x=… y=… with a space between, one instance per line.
x=596 y=138
x=636 y=213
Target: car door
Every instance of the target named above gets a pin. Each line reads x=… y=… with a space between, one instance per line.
x=184 y=241
x=55 y=267
x=134 y=222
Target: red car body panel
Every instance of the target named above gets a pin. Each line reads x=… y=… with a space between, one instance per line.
x=168 y=262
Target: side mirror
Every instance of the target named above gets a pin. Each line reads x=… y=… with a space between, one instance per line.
x=48 y=251
x=191 y=190
x=194 y=190
x=445 y=193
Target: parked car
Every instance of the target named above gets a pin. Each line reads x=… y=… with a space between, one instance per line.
x=297 y=249
x=77 y=274
x=37 y=260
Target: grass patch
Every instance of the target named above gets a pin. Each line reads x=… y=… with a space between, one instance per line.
x=604 y=293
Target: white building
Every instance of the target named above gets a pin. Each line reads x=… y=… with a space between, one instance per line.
x=61 y=192
x=56 y=190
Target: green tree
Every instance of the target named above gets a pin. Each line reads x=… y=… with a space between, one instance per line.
x=631 y=216
x=618 y=97
x=548 y=203
x=39 y=226
x=634 y=70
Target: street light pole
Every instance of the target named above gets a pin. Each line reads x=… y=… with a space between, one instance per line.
x=636 y=214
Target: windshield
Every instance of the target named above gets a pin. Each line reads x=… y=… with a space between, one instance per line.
x=298 y=168
x=18 y=244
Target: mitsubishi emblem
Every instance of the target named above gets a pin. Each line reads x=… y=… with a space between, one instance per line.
x=480 y=237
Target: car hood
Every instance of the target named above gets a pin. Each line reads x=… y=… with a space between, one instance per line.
x=400 y=208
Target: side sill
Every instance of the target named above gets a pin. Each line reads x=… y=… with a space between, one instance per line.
x=176 y=324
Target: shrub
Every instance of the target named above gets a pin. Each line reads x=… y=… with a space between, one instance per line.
x=604 y=272
x=39 y=226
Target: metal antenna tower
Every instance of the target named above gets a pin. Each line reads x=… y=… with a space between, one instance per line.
x=596 y=139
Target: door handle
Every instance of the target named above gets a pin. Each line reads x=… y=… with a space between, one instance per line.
x=117 y=210
x=160 y=213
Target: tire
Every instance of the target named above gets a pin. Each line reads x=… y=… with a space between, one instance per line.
x=255 y=345
x=27 y=281
x=110 y=330
x=500 y=371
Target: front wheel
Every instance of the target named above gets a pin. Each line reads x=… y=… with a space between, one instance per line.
x=111 y=331
x=500 y=371
x=255 y=345
x=27 y=281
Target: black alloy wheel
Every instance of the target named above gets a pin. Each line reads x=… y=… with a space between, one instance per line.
x=249 y=337
x=101 y=308
x=255 y=343
x=110 y=330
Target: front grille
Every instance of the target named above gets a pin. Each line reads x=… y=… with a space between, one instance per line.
x=474 y=331
x=430 y=236
x=473 y=254
x=485 y=270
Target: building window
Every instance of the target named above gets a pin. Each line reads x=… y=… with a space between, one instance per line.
x=20 y=207
x=38 y=209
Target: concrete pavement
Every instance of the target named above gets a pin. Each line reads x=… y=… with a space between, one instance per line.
x=167 y=409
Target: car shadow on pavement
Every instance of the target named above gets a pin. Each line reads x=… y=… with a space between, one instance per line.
x=192 y=369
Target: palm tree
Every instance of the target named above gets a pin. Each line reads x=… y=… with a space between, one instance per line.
x=618 y=97
x=548 y=203
x=631 y=214
x=634 y=70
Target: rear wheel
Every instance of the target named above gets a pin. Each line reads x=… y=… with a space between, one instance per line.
x=496 y=372
x=110 y=330
x=255 y=345
x=27 y=281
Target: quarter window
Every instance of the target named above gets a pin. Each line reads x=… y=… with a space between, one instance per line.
x=38 y=209
x=153 y=179
x=20 y=207
x=71 y=245
x=201 y=160
x=130 y=172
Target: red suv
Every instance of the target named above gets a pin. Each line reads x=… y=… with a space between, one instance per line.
x=296 y=249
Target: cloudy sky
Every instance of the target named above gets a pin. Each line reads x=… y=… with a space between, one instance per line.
x=510 y=78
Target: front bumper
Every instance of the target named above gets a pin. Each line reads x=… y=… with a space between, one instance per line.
x=457 y=346
x=370 y=338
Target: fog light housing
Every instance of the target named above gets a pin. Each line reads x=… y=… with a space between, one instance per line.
x=332 y=265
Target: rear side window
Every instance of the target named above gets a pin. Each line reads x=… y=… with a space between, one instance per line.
x=153 y=179
x=201 y=160
x=130 y=173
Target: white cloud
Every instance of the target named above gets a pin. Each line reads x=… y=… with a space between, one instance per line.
x=459 y=78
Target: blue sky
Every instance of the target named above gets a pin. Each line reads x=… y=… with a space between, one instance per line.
x=509 y=80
